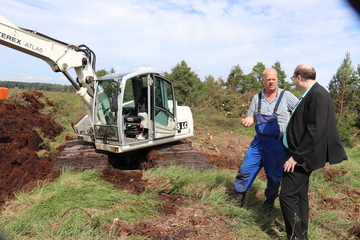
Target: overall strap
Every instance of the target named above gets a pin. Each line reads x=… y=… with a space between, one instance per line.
x=278 y=101
x=259 y=104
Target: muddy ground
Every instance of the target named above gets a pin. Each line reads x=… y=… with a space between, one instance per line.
x=21 y=132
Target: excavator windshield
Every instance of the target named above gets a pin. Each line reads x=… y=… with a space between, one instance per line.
x=107 y=110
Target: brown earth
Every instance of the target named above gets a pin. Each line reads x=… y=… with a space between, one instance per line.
x=23 y=128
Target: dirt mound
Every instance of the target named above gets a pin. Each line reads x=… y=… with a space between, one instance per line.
x=130 y=181
x=22 y=129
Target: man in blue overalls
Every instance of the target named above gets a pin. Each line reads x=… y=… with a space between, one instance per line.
x=270 y=109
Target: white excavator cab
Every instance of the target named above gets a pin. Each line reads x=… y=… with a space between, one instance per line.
x=135 y=110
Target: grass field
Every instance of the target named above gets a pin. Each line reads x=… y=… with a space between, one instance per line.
x=80 y=205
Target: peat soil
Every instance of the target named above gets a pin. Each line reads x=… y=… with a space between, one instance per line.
x=24 y=127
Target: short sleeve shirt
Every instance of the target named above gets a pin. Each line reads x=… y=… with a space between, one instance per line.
x=287 y=104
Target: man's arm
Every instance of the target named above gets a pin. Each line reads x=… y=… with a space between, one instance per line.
x=249 y=120
x=315 y=127
x=292 y=101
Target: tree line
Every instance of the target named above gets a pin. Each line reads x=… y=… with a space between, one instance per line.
x=38 y=86
x=230 y=97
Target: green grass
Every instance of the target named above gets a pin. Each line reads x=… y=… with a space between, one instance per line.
x=209 y=186
x=223 y=124
x=79 y=205
x=69 y=108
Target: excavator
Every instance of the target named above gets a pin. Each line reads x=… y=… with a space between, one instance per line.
x=124 y=111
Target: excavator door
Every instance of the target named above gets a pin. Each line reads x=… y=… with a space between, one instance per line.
x=164 y=108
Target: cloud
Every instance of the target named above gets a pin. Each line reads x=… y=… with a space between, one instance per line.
x=211 y=36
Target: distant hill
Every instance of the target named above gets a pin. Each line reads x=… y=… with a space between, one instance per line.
x=38 y=86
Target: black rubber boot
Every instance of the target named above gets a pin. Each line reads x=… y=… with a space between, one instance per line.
x=267 y=207
x=239 y=198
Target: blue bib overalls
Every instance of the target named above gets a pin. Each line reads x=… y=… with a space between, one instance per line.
x=266 y=150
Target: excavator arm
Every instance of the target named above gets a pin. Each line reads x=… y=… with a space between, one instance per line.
x=59 y=55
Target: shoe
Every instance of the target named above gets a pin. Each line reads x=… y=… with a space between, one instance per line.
x=267 y=207
x=239 y=198
x=141 y=137
x=292 y=238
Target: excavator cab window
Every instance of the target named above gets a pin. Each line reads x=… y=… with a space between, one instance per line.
x=107 y=102
x=164 y=109
x=128 y=106
x=107 y=110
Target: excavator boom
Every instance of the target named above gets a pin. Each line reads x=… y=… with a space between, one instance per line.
x=59 y=55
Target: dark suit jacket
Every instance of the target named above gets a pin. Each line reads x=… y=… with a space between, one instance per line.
x=312 y=133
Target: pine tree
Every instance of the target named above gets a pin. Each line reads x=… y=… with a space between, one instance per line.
x=343 y=89
x=258 y=71
x=281 y=76
x=234 y=79
x=188 y=86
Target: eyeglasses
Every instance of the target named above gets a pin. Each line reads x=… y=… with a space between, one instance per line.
x=293 y=77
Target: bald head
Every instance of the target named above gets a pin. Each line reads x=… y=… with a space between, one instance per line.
x=270 y=80
x=305 y=71
x=269 y=71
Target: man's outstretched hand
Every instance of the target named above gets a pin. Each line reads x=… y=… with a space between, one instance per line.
x=247 y=121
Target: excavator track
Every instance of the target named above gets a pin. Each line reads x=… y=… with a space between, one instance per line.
x=80 y=155
x=178 y=153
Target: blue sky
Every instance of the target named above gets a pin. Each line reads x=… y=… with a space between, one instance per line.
x=212 y=36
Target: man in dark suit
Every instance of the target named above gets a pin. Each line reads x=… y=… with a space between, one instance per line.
x=311 y=139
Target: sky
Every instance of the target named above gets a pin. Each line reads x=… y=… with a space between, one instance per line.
x=211 y=36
